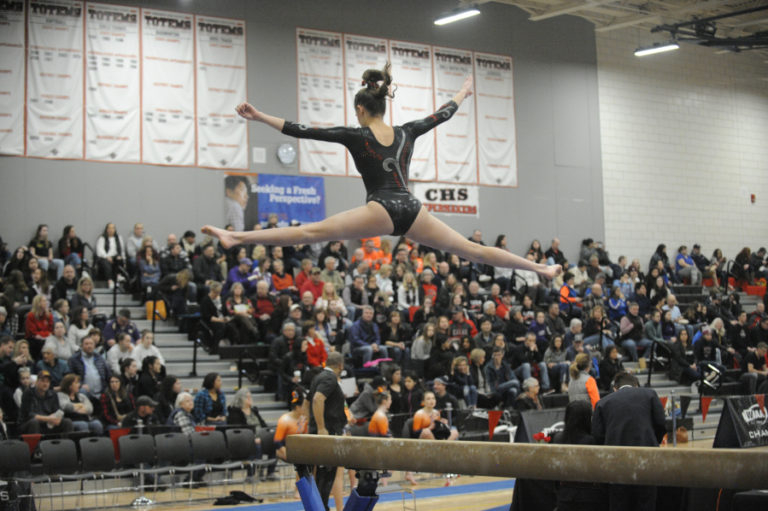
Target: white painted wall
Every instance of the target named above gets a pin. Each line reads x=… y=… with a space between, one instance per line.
x=684 y=144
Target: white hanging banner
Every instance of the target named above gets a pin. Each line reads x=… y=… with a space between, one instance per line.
x=168 y=88
x=320 y=69
x=412 y=74
x=360 y=53
x=496 y=136
x=55 y=79
x=112 y=83
x=456 y=141
x=460 y=200
x=12 y=71
x=222 y=135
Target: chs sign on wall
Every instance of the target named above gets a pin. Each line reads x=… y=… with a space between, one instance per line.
x=449 y=199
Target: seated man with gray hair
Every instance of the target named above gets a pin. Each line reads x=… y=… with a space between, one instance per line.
x=331 y=274
x=182 y=413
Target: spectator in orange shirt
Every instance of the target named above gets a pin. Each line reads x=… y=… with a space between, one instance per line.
x=379 y=424
x=372 y=255
x=427 y=423
x=281 y=280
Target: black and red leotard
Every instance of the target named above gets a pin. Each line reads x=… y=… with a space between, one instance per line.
x=384 y=169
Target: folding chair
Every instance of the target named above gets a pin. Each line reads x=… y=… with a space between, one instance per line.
x=241 y=444
x=60 y=462
x=137 y=452
x=174 y=453
x=210 y=448
x=98 y=459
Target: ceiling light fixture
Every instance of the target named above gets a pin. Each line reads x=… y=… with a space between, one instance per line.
x=656 y=48
x=456 y=15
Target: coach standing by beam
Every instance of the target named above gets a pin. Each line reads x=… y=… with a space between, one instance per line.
x=631 y=416
x=327 y=417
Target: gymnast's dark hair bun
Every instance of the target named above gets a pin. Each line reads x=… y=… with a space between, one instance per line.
x=373 y=95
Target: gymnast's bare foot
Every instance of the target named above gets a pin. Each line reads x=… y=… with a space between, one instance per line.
x=227 y=238
x=550 y=272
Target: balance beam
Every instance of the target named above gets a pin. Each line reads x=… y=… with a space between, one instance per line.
x=689 y=468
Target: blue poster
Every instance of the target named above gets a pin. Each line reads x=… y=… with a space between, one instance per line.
x=299 y=198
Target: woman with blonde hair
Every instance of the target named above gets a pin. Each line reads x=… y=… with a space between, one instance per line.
x=330 y=300
x=38 y=325
x=384 y=281
x=582 y=386
x=408 y=292
x=83 y=297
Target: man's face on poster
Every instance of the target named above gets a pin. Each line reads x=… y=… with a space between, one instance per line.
x=239 y=194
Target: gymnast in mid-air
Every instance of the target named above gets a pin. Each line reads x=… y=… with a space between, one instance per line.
x=382 y=155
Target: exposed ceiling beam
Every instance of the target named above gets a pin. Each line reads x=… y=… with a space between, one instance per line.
x=569 y=9
x=656 y=17
x=749 y=23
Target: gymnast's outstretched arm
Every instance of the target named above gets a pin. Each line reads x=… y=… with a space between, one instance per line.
x=340 y=134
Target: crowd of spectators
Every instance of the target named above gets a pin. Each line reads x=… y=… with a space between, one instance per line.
x=482 y=336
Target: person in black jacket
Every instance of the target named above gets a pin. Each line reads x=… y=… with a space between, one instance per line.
x=212 y=316
x=577 y=496
x=166 y=397
x=40 y=410
x=151 y=376
x=682 y=368
x=242 y=412
x=632 y=416
x=610 y=366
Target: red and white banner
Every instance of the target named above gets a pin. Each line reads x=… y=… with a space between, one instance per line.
x=112 y=83
x=320 y=63
x=168 y=88
x=12 y=71
x=456 y=141
x=360 y=53
x=55 y=79
x=412 y=74
x=222 y=135
x=449 y=199
x=496 y=136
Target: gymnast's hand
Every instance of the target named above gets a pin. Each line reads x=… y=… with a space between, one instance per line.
x=467 y=87
x=248 y=111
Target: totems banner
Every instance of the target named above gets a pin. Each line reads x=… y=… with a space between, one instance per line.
x=321 y=99
x=221 y=84
x=412 y=74
x=456 y=141
x=112 y=83
x=496 y=141
x=55 y=79
x=168 y=88
x=360 y=53
x=12 y=71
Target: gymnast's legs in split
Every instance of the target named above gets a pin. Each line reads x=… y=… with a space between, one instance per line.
x=373 y=220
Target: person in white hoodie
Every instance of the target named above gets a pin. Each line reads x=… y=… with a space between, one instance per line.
x=146 y=348
x=122 y=349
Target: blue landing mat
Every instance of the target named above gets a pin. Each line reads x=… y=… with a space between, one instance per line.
x=425 y=493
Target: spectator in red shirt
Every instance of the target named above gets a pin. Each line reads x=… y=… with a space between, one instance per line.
x=461 y=326
x=303 y=275
x=263 y=307
x=38 y=325
x=314 y=285
x=316 y=353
